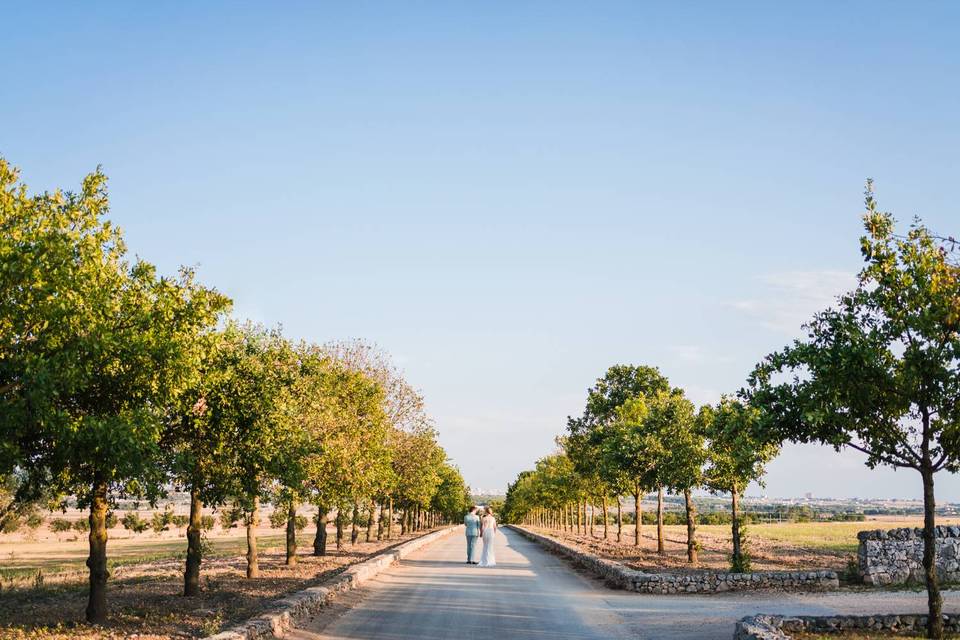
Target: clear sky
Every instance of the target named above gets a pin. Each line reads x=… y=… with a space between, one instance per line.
x=509 y=197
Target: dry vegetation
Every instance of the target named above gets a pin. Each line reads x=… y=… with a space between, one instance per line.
x=147 y=581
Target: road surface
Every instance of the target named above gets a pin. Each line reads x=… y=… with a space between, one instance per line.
x=533 y=595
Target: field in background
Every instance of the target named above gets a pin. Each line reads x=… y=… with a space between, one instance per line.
x=773 y=547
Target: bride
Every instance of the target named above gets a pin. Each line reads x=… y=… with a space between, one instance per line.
x=488 y=532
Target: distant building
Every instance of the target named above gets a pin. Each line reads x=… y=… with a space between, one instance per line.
x=808 y=495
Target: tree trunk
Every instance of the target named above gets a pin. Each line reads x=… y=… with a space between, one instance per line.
x=691 y=526
x=619 y=521
x=320 y=540
x=292 y=534
x=934 y=599
x=191 y=575
x=339 y=522
x=390 y=518
x=97 y=561
x=606 y=530
x=354 y=524
x=371 y=521
x=591 y=518
x=638 y=516
x=380 y=524
x=735 y=525
x=253 y=562
x=660 y=520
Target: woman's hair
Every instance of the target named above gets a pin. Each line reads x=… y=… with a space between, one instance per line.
x=489 y=511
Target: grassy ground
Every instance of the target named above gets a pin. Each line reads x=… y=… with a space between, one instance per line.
x=783 y=546
x=146 y=583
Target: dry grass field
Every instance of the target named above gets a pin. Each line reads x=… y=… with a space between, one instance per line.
x=43 y=581
x=783 y=546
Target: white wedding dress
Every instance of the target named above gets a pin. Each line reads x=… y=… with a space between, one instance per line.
x=488 y=558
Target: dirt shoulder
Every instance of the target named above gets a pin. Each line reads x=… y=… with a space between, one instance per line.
x=145 y=598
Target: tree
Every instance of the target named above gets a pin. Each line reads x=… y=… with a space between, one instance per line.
x=452 y=497
x=672 y=415
x=619 y=384
x=880 y=373
x=634 y=452
x=94 y=351
x=736 y=456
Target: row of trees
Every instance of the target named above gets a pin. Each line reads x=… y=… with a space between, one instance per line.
x=116 y=382
x=878 y=373
x=638 y=435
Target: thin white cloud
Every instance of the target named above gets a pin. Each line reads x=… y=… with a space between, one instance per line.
x=695 y=354
x=791 y=298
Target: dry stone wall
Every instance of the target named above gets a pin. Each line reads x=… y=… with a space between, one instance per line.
x=895 y=556
x=779 y=628
x=617 y=575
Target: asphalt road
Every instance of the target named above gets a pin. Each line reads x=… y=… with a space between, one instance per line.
x=533 y=595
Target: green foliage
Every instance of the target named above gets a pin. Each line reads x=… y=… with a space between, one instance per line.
x=133 y=522
x=180 y=521
x=230 y=517
x=207 y=522
x=60 y=525
x=82 y=525
x=879 y=372
x=112 y=520
x=278 y=518
x=742 y=563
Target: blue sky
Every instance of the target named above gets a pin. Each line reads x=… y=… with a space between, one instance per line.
x=509 y=197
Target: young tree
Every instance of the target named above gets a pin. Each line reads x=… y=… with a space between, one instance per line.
x=95 y=349
x=672 y=415
x=880 y=373
x=736 y=456
x=633 y=453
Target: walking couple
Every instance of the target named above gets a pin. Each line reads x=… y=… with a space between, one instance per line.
x=485 y=528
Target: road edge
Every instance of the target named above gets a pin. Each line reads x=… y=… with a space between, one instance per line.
x=294 y=608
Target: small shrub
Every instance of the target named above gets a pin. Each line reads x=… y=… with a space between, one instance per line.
x=112 y=520
x=158 y=523
x=742 y=564
x=207 y=522
x=229 y=517
x=133 y=522
x=278 y=519
x=34 y=520
x=213 y=623
x=300 y=523
x=180 y=521
x=59 y=525
x=851 y=572
x=10 y=523
x=82 y=525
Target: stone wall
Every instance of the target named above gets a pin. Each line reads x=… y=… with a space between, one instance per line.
x=895 y=556
x=299 y=606
x=780 y=627
x=622 y=577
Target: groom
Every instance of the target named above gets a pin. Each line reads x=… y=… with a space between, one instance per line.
x=471 y=523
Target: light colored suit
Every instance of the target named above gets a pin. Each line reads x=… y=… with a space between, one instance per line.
x=471 y=525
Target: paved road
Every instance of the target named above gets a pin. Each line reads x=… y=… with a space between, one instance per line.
x=532 y=595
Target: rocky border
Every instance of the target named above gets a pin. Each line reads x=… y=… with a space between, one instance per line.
x=764 y=627
x=299 y=606
x=617 y=575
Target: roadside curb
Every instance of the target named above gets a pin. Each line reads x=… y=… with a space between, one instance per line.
x=296 y=607
x=619 y=576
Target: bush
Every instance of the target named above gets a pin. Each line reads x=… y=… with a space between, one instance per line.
x=34 y=520
x=82 y=525
x=10 y=523
x=300 y=523
x=59 y=525
x=159 y=522
x=230 y=517
x=112 y=520
x=278 y=519
x=180 y=521
x=133 y=522
x=207 y=522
